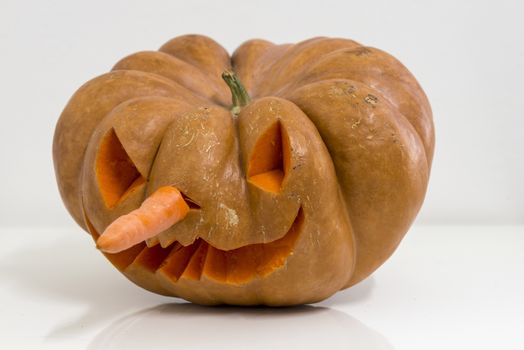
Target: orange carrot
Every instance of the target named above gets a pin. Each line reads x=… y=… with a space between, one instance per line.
x=158 y=212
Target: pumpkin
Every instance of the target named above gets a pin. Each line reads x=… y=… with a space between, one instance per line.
x=302 y=165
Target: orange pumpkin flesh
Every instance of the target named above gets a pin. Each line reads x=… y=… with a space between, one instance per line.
x=270 y=159
x=304 y=190
x=116 y=173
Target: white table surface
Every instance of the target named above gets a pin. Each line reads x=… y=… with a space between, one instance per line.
x=447 y=287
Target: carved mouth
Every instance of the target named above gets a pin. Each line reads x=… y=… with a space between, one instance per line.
x=201 y=260
x=118 y=176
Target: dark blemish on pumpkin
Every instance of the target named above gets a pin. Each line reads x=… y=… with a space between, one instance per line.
x=363 y=51
x=351 y=89
x=297 y=166
x=371 y=100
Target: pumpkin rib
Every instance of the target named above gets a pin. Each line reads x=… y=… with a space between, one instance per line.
x=343 y=202
x=188 y=94
x=402 y=189
x=282 y=61
x=422 y=122
x=263 y=63
x=299 y=81
x=247 y=57
x=299 y=59
x=378 y=93
x=196 y=49
x=177 y=70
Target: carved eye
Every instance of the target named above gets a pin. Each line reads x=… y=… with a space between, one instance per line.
x=269 y=162
x=116 y=173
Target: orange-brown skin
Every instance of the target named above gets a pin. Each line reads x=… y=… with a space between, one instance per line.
x=336 y=146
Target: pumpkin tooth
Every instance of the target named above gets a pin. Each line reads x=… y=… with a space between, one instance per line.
x=194 y=268
x=125 y=258
x=176 y=246
x=153 y=241
x=151 y=258
x=175 y=264
x=215 y=265
x=173 y=244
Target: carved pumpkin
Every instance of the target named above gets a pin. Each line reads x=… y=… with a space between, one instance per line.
x=299 y=191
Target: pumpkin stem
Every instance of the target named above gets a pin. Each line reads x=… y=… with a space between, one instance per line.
x=239 y=94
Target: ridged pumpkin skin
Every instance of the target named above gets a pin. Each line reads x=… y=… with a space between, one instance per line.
x=305 y=192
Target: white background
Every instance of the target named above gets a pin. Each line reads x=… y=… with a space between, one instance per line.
x=446 y=287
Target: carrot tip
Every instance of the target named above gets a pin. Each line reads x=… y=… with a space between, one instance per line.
x=106 y=245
